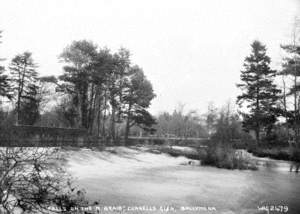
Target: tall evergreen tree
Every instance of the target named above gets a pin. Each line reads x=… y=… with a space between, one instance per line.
x=103 y=65
x=116 y=86
x=23 y=75
x=98 y=83
x=258 y=91
x=79 y=57
x=4 y=83
x=136 y=99
x=29 y=108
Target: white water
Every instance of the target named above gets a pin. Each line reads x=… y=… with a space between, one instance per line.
x=131 y=176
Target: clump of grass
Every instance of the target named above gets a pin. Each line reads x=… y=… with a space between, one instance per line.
x=228 y=158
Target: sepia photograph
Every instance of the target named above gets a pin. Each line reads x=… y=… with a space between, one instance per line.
x=149 y=106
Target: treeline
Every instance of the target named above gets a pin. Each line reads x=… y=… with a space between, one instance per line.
x=104 y=93
x=180 y=124
x=100 y=91
x=222 y=124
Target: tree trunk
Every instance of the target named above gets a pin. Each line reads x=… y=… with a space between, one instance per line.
x=257 y=134
x=84 y=109
x=98 y=116
x=112 y=123
x=285 y=108
x=296 y=111
x=127 y=130
x=104 y=114
x=91 y=109
x=20 y=93
x=257 y=130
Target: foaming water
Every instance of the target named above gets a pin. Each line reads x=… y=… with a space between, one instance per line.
x=130 y=176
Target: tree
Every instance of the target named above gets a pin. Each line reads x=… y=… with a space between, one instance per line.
x=102 y=67
x=116 y=85
x=137 y=98
x=228 y=126
x=180 y=124
x=66 y=112
x=95 y=79
x=79 y=57
x=258 y=91
x=163 y=123
x=29 y=109
x=32 y=181
x=291 y=68
x=211 y=118
x=23 y=76
x=4 y=82
x=98 y=84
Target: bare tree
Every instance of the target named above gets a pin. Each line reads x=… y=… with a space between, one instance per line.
x=291 y=69
x=32 y=181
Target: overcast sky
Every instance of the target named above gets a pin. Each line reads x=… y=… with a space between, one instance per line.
x=192 y=51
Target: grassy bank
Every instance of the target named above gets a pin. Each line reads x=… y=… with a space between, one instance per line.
x=278 y=153
x=218 y=156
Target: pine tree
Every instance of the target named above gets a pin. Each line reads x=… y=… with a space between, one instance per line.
x=258 y=91
x=29 y=109
x=137 y=97
x=79 y=57
x=4 y=83
x=23 y=75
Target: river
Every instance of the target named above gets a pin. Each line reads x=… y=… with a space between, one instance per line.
x=134 y=177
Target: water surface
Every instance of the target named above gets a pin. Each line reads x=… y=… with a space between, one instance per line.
x=134 y=177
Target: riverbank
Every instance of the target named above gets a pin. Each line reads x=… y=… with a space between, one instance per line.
x=276 y=153
x=219 y=157
x=222 y=157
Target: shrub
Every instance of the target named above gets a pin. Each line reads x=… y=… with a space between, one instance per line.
x=228 y=158
x=45 y=185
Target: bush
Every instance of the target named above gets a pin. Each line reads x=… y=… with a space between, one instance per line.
x=46 y=184
x=228 y=158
